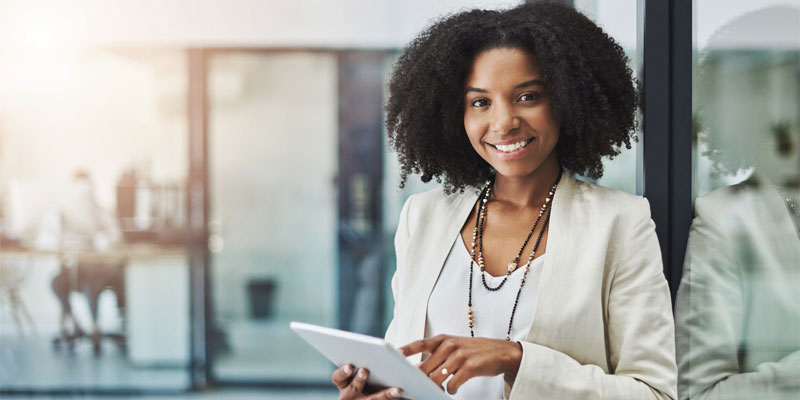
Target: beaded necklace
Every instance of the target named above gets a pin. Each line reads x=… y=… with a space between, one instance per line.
x=477 y=236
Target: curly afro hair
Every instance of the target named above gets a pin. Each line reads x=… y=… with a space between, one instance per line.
x=586 y=73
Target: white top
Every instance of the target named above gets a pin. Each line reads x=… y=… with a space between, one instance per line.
x=447 y=310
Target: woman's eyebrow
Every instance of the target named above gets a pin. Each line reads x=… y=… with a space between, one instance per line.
x=532 y=82
x=473 y=89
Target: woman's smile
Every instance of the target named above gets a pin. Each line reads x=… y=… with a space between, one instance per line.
x=512 y=149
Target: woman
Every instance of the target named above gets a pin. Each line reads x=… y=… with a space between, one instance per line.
x=515 y=279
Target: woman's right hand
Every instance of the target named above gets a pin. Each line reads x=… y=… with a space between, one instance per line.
x=351 y=385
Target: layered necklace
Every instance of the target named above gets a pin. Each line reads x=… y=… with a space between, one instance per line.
x=477 y=238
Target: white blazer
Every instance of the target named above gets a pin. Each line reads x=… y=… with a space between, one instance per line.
x=603 y=326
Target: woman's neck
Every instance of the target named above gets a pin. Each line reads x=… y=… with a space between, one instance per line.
x=529 y=190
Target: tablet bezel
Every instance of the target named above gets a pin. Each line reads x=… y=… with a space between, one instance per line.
x=387 y=366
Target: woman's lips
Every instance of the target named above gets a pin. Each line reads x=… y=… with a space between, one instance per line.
x=513 y=154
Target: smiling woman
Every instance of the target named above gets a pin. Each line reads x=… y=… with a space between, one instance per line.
x=508 y=117
x=515 y=279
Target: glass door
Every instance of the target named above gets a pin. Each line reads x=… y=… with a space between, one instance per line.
x=272 y=231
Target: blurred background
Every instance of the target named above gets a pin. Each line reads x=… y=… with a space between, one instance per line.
x=179 y=180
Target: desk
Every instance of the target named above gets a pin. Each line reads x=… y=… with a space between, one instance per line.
x=157 y=319
x=157 y=312
x=139 y=251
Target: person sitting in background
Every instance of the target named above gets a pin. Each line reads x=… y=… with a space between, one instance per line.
x=86 y=228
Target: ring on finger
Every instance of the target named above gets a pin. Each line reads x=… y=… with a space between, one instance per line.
x=445 y=372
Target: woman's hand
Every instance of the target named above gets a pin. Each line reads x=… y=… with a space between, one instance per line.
x=351 y=385
x=465 y=357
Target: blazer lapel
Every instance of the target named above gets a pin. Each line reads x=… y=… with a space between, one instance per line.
x=434 y=243
x=550 y=279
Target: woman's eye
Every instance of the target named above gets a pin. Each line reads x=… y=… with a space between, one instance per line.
x=479 y=103
x=529 y=96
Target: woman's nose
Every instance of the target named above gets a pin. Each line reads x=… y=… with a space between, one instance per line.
x=503 y=119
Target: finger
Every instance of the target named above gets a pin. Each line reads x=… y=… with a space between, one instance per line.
x=391 y=393
x=424 y=345
x=457 y=380
x=440 y=375
x=443 y=352
x=450 y=367
x=357 y=385
x=341 y=376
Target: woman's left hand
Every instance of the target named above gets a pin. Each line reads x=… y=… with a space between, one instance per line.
x=465 y=357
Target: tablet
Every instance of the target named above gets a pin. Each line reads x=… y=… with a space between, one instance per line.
x=387 y=366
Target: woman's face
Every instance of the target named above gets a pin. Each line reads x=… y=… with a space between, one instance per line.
x=507 y=117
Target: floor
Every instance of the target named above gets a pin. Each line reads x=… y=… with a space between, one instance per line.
x=232 y=394
x=261 y=352
x=34 y=363
x=269 y=350
x=31 y=364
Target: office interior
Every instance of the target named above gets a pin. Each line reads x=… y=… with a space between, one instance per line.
x=180 y=180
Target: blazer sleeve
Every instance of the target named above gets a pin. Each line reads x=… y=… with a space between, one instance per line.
x=639 y=331
x=401 y=238
x=710 y=313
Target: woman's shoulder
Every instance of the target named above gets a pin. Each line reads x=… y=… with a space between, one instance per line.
x=610 y=202
x=436 y=203
x=436 y=198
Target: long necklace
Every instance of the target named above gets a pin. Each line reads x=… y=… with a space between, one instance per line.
x=479 y=225
x=477 y=235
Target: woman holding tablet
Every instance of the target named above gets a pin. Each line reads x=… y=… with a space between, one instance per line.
x=515 y=279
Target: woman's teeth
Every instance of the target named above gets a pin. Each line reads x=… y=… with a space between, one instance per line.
x=512 y=147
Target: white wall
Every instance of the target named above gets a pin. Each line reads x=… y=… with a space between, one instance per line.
x=316 y=23
x=710 y=15
x=103 y=111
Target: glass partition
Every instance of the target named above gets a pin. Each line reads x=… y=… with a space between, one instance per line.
x=738 y=305
x=618 y=19
x=272 y=167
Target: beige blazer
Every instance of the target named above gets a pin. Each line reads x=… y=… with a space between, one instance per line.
x=603 y=326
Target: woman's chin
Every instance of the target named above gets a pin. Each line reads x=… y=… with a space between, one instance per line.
x=507 y=171
x=518 y=170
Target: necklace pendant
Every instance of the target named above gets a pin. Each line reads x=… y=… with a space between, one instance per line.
x=512 y=266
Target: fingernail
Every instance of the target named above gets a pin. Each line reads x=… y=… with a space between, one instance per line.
x=362 y=374
x=348 y=369
x=396 y=392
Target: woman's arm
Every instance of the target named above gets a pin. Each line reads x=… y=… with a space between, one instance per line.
x=640 y=332
x=400 y=247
